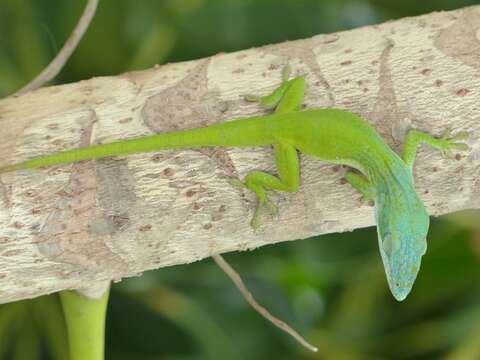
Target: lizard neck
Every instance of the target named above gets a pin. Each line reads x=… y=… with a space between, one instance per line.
x=388 y=172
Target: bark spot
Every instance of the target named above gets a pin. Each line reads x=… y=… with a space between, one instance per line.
x=208 y=226
x=168 y=172
x=146 y=227
x=157 y=158
x=273 y=67
x=30 y=193
x=462 y=92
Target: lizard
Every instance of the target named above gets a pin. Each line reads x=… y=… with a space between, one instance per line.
x=331 y=135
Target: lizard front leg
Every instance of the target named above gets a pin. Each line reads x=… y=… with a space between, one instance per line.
x=446 y=144
x=361 y=184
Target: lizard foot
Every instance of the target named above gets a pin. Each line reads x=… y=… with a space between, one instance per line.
x=454 y=142
x=236 y=183
x=263 y=200
x=255 y=222
x=271 y=101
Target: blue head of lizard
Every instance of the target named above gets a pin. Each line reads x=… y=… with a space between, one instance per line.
x=402 y=225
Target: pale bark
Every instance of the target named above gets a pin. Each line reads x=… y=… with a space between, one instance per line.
x=70 y=226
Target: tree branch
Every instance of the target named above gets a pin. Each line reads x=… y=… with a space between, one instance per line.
x=64 y=54
x=64 y=227
x=247 y=295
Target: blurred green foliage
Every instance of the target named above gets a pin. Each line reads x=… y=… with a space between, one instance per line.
x=331 y=288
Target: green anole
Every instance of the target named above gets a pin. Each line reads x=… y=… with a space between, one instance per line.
x=331 y=135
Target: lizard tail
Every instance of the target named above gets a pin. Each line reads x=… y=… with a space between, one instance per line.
x=9 y=168
x=232 y=133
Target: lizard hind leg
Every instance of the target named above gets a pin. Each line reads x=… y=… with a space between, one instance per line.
x=361 y=184
x=288 y=179
x=285 y=98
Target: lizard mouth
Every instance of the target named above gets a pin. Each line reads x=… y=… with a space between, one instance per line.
x=400 y=291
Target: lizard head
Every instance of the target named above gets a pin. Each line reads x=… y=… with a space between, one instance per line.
x=402 y=225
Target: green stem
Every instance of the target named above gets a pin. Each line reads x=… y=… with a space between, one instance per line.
x=85 y=318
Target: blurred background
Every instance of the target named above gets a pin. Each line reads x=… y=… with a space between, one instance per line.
x=331 y=288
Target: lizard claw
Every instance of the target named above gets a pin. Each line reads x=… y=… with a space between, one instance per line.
x=251 y=98
x=236 y=183
x=255 y=222
x=366 y=199
x=271 y=207
x=447 y=153
x=462 y=135
x=446 y=134
x=287 y=69
x=460 y=146
x=450 y=142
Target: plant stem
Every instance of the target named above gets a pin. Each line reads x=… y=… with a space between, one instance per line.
x=85 y=318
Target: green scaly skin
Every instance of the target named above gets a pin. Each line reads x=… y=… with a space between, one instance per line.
x=332 y=135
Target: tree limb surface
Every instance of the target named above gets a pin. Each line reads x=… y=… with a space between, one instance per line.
x=70 y=226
